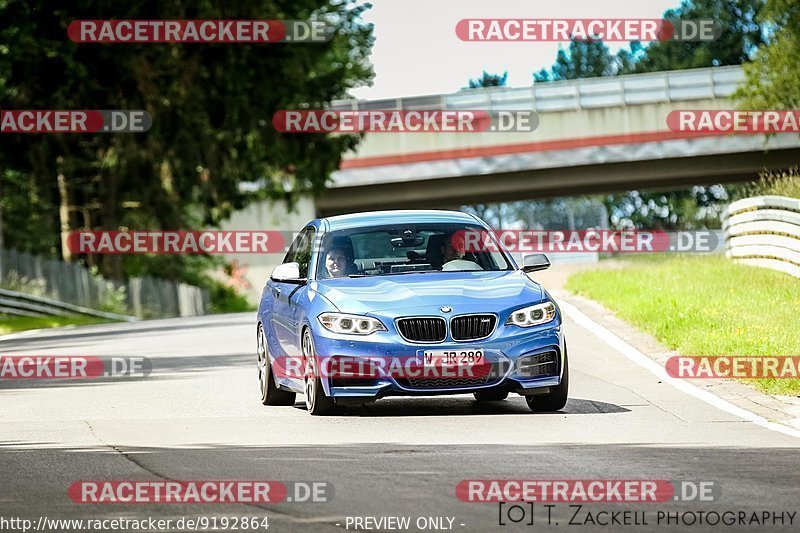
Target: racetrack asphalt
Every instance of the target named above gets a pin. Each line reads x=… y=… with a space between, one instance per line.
x=198 y=417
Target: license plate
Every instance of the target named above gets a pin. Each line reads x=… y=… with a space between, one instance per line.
x=452 y=358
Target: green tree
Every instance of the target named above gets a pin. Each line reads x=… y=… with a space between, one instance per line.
x=741 y=35
x=211 y=105
x=488 y=80
x=773 y=78
x=696 y=207
x=573 y=213
x=585 y=59
x=683 y=209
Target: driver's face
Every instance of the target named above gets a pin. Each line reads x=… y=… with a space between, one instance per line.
x=451 y=252
x=335 y=262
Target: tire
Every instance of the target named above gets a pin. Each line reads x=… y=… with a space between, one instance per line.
x=270 y=393
x=490 y=395
x=556 y=399
x=317 y=403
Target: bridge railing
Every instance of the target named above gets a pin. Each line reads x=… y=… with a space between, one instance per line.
x=764 y=231
x=631 y=89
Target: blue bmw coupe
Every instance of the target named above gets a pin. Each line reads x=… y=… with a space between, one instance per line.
x=397 y=293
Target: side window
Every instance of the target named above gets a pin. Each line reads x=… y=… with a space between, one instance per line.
x=300 y=251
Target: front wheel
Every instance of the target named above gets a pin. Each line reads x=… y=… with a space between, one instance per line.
x=270 y=393
x=317 y=403
x=554 y=400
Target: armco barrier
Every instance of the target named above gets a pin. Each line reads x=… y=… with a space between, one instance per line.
x=20 y=304
x=764 y=231
x=52 y=280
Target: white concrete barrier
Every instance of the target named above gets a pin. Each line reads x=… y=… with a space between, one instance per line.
x=764 y=231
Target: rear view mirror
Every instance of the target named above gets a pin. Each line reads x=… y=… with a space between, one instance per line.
x=535 y=262
x=287 y=273
x=413 y=242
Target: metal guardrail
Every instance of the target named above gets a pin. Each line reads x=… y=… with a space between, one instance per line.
x=609 y=91
x=764 y=231
x=73 y=284
x=21 y=304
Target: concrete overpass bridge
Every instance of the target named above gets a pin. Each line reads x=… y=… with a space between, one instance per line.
x=597 y=135
x=594 y=135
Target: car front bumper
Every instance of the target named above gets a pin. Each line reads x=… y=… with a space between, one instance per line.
x=518 y=358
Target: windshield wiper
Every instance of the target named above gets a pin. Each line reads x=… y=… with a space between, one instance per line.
x=392 y=273
x=408 y=272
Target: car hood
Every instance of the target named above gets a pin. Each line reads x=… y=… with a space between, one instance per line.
x=463 y=291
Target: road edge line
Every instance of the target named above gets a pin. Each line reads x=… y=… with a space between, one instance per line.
x=633 y=354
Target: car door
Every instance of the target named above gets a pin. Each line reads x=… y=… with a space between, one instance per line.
x=285 y=312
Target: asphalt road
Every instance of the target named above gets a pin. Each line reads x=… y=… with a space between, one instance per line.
x=198 y=417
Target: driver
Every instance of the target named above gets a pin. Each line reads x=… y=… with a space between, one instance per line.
x=453 y=248
x=454 y=252
x=336 y=263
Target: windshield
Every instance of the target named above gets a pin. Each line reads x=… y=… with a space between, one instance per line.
x=403 y=249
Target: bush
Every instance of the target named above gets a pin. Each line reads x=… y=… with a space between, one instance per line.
x=112 y=299
x=16 y=282
x=225 y=299
x=781 y=183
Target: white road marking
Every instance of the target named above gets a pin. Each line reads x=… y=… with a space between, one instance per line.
x=642 y=360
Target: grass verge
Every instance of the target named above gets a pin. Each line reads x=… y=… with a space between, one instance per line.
x=13 y=324
x=704 y=305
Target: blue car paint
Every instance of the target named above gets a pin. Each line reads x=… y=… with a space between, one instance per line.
x=287 y=309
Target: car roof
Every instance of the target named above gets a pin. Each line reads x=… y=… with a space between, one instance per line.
x=379 y=218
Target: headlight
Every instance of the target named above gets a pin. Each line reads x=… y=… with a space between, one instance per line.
x=533 y=315
x=350 y=324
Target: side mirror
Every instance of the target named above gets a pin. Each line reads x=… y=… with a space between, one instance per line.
x=535 y=262
x=287 y=273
